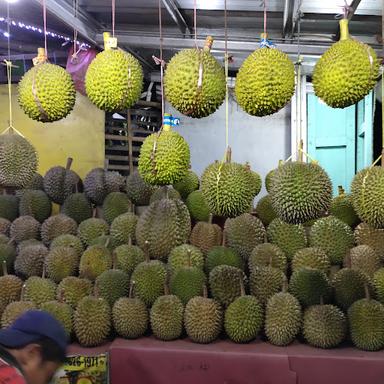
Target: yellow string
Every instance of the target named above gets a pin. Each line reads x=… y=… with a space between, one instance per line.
x=226 y=102
x=382 y=105
x=308 y=156
x=376 y=161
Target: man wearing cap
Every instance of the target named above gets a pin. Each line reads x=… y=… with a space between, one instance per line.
x=32 y=349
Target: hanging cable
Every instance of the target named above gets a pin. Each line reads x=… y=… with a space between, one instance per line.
x=195 y=21
x=75 y=32
x=226 y=76
x=113 y=17
x=45 y=27
x=8 y=64
x=265 y=16
x=161 y=60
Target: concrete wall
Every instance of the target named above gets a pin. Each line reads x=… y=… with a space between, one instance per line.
x=80 y=135
x=260 y=141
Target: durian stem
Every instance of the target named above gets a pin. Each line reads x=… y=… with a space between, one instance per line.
x=341 y=190
x=224 y=241
x=284 y=288
x=96 y=291
x=344 y=31
x=22 y=294
x=130 y=240
x=107 y=242
x=146 y=251
x=301 y=152
x=382 y=154
x=11 y=240
x=205 y=291
x=166 y=289
x=210 y=218
x=114 y=260
x=189 y=253
x=367 y=293
x=94 y=212
x=228 y=155
x=242 y=288
x=208 y=43
x=131 y=289
x=69 y=163
x=4 y=266
x=44 y=271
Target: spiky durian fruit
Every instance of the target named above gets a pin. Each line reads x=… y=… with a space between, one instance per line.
x=95 y=260
x=189 y=183
x=9 y=207
x=378 y=282
x=267 y=254
x=265 y=211
x=72 y=289
x=197 y=206
x=30 y=261
x=92 y=228
x=313 y=257
x=18 y=160
x=187 y=282
x=164 y=158
x=194 y=82
x=367 y=235
x=78 y=207
x=310 y=286
x=14 y=310
x=27 y=243
x=114 y=80
x=203 y=319
x=269 y=180
x=149 y=278
x=289 y=237
x=349 y=286
x=366 y=324
x=127 y=257
x=61 y=262
x=10 y=289
x=346 y=72
x=243 y=319
x=138 y=191
x=107 y=241
x=62 y=312
x=226 y=187
x=205 y=235
x=68 y=241
x=264 y=282
x=367 y=195
x=333 y=236
x=364 y=259
x=7 y=256
x=5 y=224
x=244 y=233
x=324 y=326
x=185 y=255
x=98 y=183
x=56 y=226
x=39 y=290
x=92 y=321
x=164 y=225
x=112 y=284
x=342 y=208
x=300 y=192
x=167 y=317
x=60 y=182
x=35 y=203
x=47 y=93
x=114 y=205
x=265 y=82
x=283 y=318
x=222 y=255
x=123 y=228
x=36 y=183
x=130 y=317
x=164 y=192
x=225 y=283
x=25 y=228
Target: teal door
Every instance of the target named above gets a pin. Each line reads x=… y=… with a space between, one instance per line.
x=331 y=140
x=341 y=140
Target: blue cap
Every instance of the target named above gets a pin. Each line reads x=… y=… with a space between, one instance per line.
x=31 y=327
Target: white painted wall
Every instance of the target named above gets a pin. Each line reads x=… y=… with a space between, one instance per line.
x=260 y=141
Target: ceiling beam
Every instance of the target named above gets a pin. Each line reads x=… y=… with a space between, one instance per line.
x=288 y=27
x=173 y=9
x=352 y=9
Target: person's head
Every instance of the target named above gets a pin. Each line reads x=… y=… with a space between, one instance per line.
x=38 y=342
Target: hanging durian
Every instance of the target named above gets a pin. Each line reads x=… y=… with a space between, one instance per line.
x=46 y=92
x=346 y=72
x=194 y=82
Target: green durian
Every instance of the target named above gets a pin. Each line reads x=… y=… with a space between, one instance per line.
x=342 y=208
x=114 y=205
x=187 y=185
x=267 y=254
x=265 y=211
x=138 y=191
x=197 y=206
x=61 y=262
x=92 y=228
x=312 y=257
x=95 y=260
x=56 y=226
x=35 y=203
x=78 y=207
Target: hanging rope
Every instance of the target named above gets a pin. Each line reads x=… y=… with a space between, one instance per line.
x=8 y=64
x=226 y=76
x=265 y=16
x=113 y=17
x=45 y=27
x=75 y=32
x=382 y=115
x=195 y=22
x=161 y=60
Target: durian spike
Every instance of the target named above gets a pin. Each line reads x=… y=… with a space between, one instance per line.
x=69 y=163
x=242 y=288
x=205 y=291
x=228 y=155
x=131 y=289
x=208 y=43
x=367 y=293
x=341 y=190
x=146 y=251
x=4 y=266
x=344 y=31
x=130 y=240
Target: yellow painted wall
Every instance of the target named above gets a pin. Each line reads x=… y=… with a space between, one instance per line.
x=80 y=135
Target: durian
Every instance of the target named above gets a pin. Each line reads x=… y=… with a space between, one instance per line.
x=342 y=208
x=164 y=192
x=78 y=207
x=10 y=288
x=312 y=257
x=95 y=260
x=127 y=257
x=72 y=289
x=138 y=191
x=364 y=259
x=123 y=228
x=267 y=254
x=114 y=80
x=185 y=255
x=56 y=226
x=14 y=310
x=67 y=240
x=25 y=228
x=114 y=205
x=164 y=158
x=205 y=235
x=194 y=82
x=197 y=206
x=36 y=183
x=9 y=207
x=61 y=262
x=47 y=92
x=39 y=290
x=30 y=261
x=222 y=255
x=265 y=211
x=187 y=185
x=112 y=284
x=62 y=312
x=367 y=235
x=5 y=225
x=35 y=203
x=92 y=228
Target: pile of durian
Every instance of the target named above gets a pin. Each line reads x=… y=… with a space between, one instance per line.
x=199 y=262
